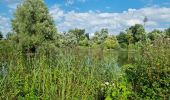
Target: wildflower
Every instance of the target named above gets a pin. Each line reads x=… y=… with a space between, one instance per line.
x=106 y=83
x=113 y=84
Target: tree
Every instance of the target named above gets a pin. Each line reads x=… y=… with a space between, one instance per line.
x=167 y=32
x=155 y=34
x=84 y=42
x=78 y=33
x=124 y=38
x=1 y=36
x=87 y=36
x=111 y=43
x=69 y=39
x=33 y=23
x=133 y=34
x=138 y=33
x=99 y=37
x=121 y=37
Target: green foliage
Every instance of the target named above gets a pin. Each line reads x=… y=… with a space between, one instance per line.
x=155 y=34
x=33 y=24
x=9 y=35
x=138 y=33
x=32 y=18
x=78 y=73
x=118 y=90
x=150 y=74
x=167 y=32
x=73 y=38
x=134 y=34
x=84 y=42
x=111 y=43
x=68 y=40
x=63 y=74
x=78 y=34
x=38 y=63
x=124 y=39
x=1 y=35
x=99 y=37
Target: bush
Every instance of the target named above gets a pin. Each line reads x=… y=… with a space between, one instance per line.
x=149 y=75
x=111 y=43
x=118 y=89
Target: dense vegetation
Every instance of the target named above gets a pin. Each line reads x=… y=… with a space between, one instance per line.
x=37 y=62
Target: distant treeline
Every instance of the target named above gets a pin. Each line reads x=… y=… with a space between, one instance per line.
x=33 y=27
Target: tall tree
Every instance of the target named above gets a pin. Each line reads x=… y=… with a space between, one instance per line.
x=1 y=35
x=111 y=42
x=167 y=32
x=155 y=34
x=33 y=22
x=78 y=33
x=138 y=32
x=99 y=37
x=124 y=38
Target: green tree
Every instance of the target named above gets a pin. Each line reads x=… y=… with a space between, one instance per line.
x=79 y=34
x=124 y=39
x=111 y=43
x=99 y=37
x=138 y=33
x=167 y=32
x=11 y=35
x=84 y=42
x=155 y=34
x=1 y=36
x=121 y=37
x=33 y=23
x=87 y=36
x=69 y=39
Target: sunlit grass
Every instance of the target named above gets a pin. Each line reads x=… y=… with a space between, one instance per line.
x=65 y=74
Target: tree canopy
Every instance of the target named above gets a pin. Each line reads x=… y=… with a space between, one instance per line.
x=1 y=35
x=138 y=32
x=78 y=34
x=33 y=24
x=167 y=32
x=32 y=18
x=155 y=34
x=100 y=36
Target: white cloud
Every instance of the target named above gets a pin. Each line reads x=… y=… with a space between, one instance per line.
x=71 y=2
x=107 y=7
x=158 y=17
x=12 y=4
x=56 y=12
x=115 y=22
x=4 y=24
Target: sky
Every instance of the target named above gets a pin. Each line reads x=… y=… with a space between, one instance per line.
x=93 y=15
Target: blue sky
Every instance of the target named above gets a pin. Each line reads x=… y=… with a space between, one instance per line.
x=116 y=15
x=105 y=5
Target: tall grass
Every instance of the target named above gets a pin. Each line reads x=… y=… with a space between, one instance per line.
x=69 y=74
x=79 y=73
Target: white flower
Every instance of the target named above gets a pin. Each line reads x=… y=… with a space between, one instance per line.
x=113 y=84
x=107 y=83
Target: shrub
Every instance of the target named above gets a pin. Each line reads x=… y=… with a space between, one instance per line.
x=150 y=74
x=118 y=89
